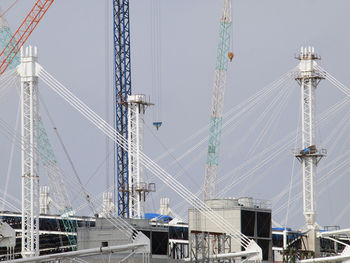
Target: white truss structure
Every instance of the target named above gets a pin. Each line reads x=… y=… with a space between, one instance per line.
x=137 y=187
x=250 y=246
x=30 y=158
x=212 y=163
x=309 y=155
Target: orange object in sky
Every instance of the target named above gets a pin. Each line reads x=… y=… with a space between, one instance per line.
x=230 y=55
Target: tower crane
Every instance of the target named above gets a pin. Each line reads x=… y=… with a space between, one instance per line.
x=222 y=58
x=122 y=90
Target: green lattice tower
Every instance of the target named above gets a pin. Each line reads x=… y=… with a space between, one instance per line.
x=215 y=125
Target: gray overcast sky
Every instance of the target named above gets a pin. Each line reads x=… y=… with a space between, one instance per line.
x=266 y=35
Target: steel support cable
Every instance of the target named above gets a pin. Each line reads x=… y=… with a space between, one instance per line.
x=7 y=83
x=86 y=195
x=254 y=99
x=249 y=106
x=274 y=118
x=94 y=199
x=122 y=143
x=177 y=175
x=298 y=183
x=8 y=204
x=325 y=116
x=12 y=136
x=7 y=74
x=219 y=180
x=333 y=80
x=79 y=183
x=9 y=168
x=340 y=86
x=271 y=153
x=341 y=214
x=320 y=180
x=242 y=140
x=183 y=169
x=9 y=196
x=277 y=103
x=6 y=78
x=147 y=162
x=338 y=130
x=323 y=179
x=271 y=149
x=49 y=82
x=292 y=173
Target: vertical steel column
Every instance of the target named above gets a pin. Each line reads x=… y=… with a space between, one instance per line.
x=137 y=187
x=122 y=90
x=30 y=158
x=309 y=156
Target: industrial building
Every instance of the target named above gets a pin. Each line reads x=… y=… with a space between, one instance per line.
x=251 y=217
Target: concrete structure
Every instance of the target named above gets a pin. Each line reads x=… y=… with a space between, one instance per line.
x=251 y=217
x=104 y=234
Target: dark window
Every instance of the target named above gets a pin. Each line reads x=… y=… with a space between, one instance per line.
x=160 y=243
x=178 y=233
x=248 y=222
x=104 y=244
x=264 y=244
x=263 y=224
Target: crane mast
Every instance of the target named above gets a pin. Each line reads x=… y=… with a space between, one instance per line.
x=122 y=91
x=222 y=58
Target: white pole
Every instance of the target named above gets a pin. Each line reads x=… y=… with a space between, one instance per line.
x=30 y=165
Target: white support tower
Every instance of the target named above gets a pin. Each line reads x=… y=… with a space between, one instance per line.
x=138 y=189
x=309 y=156
x=30 y=159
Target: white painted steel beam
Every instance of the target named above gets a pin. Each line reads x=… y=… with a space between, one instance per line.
x=81 y=253
x=30 y=159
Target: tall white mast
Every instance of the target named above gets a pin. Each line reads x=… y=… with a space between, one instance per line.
x=309 y=155
x=30 y=158
x=137 y=187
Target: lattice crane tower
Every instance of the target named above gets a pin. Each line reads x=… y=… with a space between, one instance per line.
x=30 y=158
x=122 y=90
x=222 y=58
